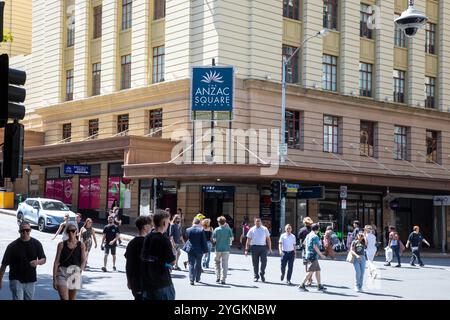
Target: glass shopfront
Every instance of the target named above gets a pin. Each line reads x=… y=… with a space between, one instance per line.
x=366 y=208
x=57 y=187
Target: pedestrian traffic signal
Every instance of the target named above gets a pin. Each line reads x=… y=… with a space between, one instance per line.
x=159 y=188
x=275 y=190
x=283 y=189
x=13 y=151
x=12 y=94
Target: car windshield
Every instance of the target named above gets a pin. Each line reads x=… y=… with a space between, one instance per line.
x=54 y=206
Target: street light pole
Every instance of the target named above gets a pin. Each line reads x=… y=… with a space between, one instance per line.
x=283 y=147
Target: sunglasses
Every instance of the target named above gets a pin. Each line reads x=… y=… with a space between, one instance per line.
x=71 y=230
x=24 y=230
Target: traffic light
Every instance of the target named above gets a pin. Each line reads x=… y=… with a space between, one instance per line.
x=159 y=188
x=275 y=190
x=283 y=189
x=12 y=95
x=2 y=6
x=13 y=151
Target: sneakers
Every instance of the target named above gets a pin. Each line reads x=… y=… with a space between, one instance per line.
x=321 y=288
x=222 y=282
x=412 y=264
x=288 y=282
x=255 y=279
x=387 y=264
x=218 y=280
x=282 y=277
x=263 y=279
x=302 y=287
x=398 y=266
x=114 y=269
x=357 y=289
x=104 y=269
x=192 y=283
x=422 y=265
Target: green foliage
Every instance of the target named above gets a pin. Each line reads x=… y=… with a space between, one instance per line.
x=7 y=36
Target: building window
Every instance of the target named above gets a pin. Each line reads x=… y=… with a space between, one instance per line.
x=399 y=86
x=69 y=85
x=365 y=79
x=97 y=22
x=292 y=66
x=70 y=31
x=93 y=128
x=160 y=9
x=367 y=141
x=125 y=72
x=430 y=89
x=155 y=123
x=330 y=14
x=292 y=133
x=66 y=132
x=291 y=9
x=158 y=64
x=401 y=143
x=122 y=123
x=96 y=78
x=430 y=38
x=432 y=146
x=127 y=9
x=400 y=37
x=365 y=14
x=329 y=64
x=330 y=134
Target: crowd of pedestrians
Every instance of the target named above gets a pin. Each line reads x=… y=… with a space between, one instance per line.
x=154 y=253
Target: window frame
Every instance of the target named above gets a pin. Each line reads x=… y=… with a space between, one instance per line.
x=125 y=72
x=93 y=128
x=430 y=38
x=293 y=65
x=70 y=31
x=330 y=21
x=69 y=85
x=97 y=22
x=364 y=30
x=400 y=39
x=123 y=123
x=159 y=55
x=331 y=131
x=367 y=149
x=293 y=127
x=159 y=9
x=96 y=78
x=291 y=12
x=67 y=132
x=127 y=14
x=399 y=83
x=430 y=92
x=433 y=156
x=329 y=70
x=365 y=79
x=401 y=143
x=155 y=119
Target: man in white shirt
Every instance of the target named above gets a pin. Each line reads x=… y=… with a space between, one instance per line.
x=286 y=248
x=258 y=239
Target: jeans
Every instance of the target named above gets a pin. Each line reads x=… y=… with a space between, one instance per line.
x=259 y=252
x=21 y=291
x=287 y=258
x=206 y=258
x=360 y=266
x=396 y=250
x=166 y=293
x=222 y=258
x=195 y=266
x=416 y=255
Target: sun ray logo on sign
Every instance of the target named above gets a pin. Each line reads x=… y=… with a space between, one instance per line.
x=212 y=89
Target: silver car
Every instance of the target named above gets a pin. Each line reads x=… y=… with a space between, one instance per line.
x=45 y=213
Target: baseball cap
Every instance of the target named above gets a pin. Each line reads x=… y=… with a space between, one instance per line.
x=200 y=216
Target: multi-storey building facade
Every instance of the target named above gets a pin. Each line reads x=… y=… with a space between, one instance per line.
x=17 y=25
x=366 y=108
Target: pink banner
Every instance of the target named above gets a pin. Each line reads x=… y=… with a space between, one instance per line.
x=95 y=193
x=67 y=196
x=113 y=191
x=49 y=189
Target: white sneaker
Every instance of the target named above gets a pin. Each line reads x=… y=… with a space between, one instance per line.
x=357 y=289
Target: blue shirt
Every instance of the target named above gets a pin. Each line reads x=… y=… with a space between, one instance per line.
x=311 y=240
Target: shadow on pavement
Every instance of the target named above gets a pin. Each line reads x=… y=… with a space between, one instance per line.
x=337 y=294
x=390 y=279
x=178 y=276
x=237 y=269
x=381 y=295
x=277 y=283
x=337 y=287
x=242 y=286
x=211 y=285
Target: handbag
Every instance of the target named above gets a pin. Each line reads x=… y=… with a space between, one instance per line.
x=350 y=257
x=187 y=247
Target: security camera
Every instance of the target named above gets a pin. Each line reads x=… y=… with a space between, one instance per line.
x=411 y=20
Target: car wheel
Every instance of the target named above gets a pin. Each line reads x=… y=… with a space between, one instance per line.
x=20 y=218
x=41 y=224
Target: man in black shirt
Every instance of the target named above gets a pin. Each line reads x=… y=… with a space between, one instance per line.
x=133 y=256
x=22 y=256
x=158 y=260
x=416 y=239
x=111 y=235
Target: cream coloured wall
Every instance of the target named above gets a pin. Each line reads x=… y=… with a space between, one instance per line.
x=17 y=21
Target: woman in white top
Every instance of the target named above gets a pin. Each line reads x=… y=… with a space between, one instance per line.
x=371 y=250
x=286 y=247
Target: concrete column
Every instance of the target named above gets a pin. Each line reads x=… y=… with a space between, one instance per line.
x=312 y=50
x=443 y=82
x=107 y=126
x=350 y=45
x=110 y=33
x=138 y=121
x=416 y=65
x=384 y=51
x=81 y=50
x=140 y=43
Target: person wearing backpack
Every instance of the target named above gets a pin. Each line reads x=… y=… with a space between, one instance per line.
x=327 y=243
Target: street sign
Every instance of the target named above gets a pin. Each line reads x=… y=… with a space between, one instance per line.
x=343 y=204
x=441 y=200
x=311 y=193
x=212 y=88
x=77 y=169
x=283 y=149
x=292 y=187
x=343 y=191
x=219 y=189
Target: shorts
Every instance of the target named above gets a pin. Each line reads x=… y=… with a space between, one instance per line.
x=112 y=248
x=311 y=265
x=69 y=277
